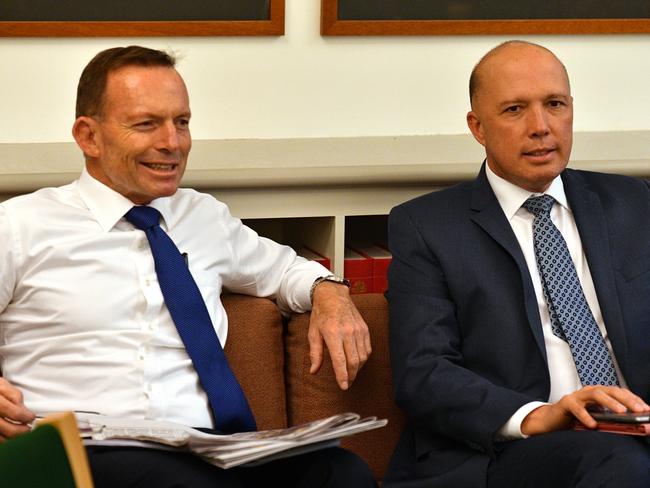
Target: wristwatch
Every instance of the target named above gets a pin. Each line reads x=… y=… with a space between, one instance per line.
x=333 y=278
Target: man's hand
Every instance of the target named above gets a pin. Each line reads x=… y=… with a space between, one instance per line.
x=14 y=416
x=335 y=319
x=558 y=416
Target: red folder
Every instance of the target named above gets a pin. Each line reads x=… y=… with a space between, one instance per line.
x=309 y=253
x=358 y=269
x=627 y=428
x=381 y=258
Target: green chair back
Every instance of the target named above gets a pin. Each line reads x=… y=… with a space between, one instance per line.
x=35 y=459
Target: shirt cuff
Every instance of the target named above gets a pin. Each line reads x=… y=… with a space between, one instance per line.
x=294 y=291
x=511 y=430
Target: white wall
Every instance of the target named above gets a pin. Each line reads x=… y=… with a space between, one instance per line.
x=304 y=85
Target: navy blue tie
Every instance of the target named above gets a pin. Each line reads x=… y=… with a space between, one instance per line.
x=187 y=308
x=571 y=317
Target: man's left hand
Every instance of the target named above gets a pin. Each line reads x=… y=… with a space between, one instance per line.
x=335 y=320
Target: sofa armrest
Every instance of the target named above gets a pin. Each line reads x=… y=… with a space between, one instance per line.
x=255 y=352
x=310 y=397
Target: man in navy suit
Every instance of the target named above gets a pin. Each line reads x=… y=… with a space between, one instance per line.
x=489 y=389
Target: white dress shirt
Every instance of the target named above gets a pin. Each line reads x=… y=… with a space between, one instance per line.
x=83 y=324
x=562 y=368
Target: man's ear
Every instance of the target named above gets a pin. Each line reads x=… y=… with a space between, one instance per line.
x=475 y=126
x=84 y=131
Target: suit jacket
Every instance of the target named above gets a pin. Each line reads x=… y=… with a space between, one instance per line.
x=467 y=347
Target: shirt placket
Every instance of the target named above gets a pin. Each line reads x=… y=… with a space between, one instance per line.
x=148 y=323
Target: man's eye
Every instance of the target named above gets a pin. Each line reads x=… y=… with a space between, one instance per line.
x=183 y=123
x=556 y=103
x=145 y=124
x=513 y=109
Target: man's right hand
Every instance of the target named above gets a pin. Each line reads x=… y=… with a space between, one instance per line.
x=558 y=416
x=14 y=415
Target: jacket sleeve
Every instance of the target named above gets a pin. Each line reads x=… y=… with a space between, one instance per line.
x=432 y=384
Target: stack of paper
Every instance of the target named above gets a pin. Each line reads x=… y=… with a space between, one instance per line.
x=224 y=451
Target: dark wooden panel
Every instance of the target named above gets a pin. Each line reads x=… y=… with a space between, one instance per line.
x=478 y=17
x=82 y=18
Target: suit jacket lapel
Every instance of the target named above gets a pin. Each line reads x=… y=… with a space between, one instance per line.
x=489 y=216
x=592 y=227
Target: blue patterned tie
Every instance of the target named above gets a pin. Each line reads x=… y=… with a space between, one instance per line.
x=571 y=318
x=187 y=308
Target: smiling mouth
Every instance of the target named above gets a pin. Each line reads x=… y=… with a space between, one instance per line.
x=161 y=166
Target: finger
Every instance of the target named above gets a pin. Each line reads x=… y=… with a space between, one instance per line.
x=10 y=429
x=362 y=337
x=613 y=398
x=315 y=349
x=15 y=411
x=351 y=355
x=631 y=401
x=363 y=342
x=337 y=353
x=367 y=342
x=340 y=368
x=10 y=392
x=608 y=399
x=575 y=405
x=583 y=416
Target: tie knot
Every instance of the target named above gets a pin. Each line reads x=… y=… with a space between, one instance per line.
x=143 y=217
x=541 y=205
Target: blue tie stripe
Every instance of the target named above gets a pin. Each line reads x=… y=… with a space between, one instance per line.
x=187 y=308
x=571 y=317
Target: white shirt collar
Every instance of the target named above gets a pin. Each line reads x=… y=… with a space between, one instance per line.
x=109 y=206
x=511 y=197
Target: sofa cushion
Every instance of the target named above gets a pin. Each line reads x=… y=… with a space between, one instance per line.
x=315 y=396
x=255 y=351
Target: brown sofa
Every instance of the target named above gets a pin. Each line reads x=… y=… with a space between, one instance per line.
x=271 y=360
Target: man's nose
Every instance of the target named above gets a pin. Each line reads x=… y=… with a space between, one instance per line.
x=538 y=122
x=168 y=138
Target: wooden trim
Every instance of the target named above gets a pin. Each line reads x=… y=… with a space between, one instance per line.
x=272 y=27
x=259 y=164
x=332 y=26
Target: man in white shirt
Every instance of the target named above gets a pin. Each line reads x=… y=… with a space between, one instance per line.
x=83 y=321
x=489 y=384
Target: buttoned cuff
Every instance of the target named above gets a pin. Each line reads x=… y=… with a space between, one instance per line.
x=511 y=430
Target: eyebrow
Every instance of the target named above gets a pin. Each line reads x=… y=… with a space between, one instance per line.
x=515 y=101
x=559 y=95
x=152 y=115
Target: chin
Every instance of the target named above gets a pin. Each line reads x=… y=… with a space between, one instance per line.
x=167 y=193
x=541 y=182
x=165 y=190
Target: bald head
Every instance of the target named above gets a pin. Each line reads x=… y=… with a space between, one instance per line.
x=522 y=114
x=496 y=55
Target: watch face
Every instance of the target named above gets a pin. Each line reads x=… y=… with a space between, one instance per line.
x=338 y=279
x=332 y=278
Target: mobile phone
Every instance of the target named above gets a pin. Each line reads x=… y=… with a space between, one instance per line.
x=604 y=415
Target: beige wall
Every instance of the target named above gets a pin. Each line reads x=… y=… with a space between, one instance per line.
x=303 y=85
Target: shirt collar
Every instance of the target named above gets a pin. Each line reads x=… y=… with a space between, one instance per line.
x=511 y=197
x=108 y=206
